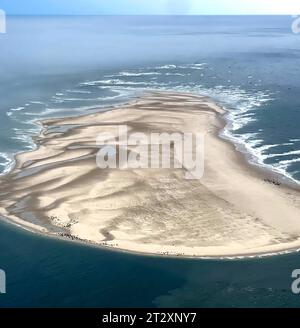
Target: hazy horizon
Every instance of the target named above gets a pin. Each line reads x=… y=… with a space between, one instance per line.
x=147 y=7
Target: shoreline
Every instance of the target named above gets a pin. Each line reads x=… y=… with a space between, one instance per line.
x=264 y=171
x=86 y=243
x=251 y=169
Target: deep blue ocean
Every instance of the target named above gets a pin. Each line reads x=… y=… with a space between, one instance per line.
x=58 y=66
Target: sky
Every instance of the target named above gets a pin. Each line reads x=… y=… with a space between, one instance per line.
x=153 y=7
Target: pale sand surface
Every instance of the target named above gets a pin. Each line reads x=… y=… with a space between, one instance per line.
x=58 y=189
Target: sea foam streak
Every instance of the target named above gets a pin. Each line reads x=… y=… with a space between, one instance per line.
x=6 y=163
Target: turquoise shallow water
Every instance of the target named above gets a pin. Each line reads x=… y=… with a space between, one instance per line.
x=57 y=66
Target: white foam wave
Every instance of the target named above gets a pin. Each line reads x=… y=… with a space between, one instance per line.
x=119 y=82
x=197 y=66
x=294 y=152
x=25 y=139
x=170 y=66
x=37 y=102
x=257 y=156
x=176 y=74
x=193 y=66
x=6 y=163
x=79 y=91
x=17 y=109
x=286 y=163
x=135 y=74
x=48 y=111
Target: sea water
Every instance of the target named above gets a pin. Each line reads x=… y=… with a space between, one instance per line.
x=59 y=66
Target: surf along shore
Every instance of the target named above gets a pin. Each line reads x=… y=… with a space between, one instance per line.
x=233 y=210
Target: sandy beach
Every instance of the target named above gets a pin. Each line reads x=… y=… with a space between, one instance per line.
x=233 y=210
